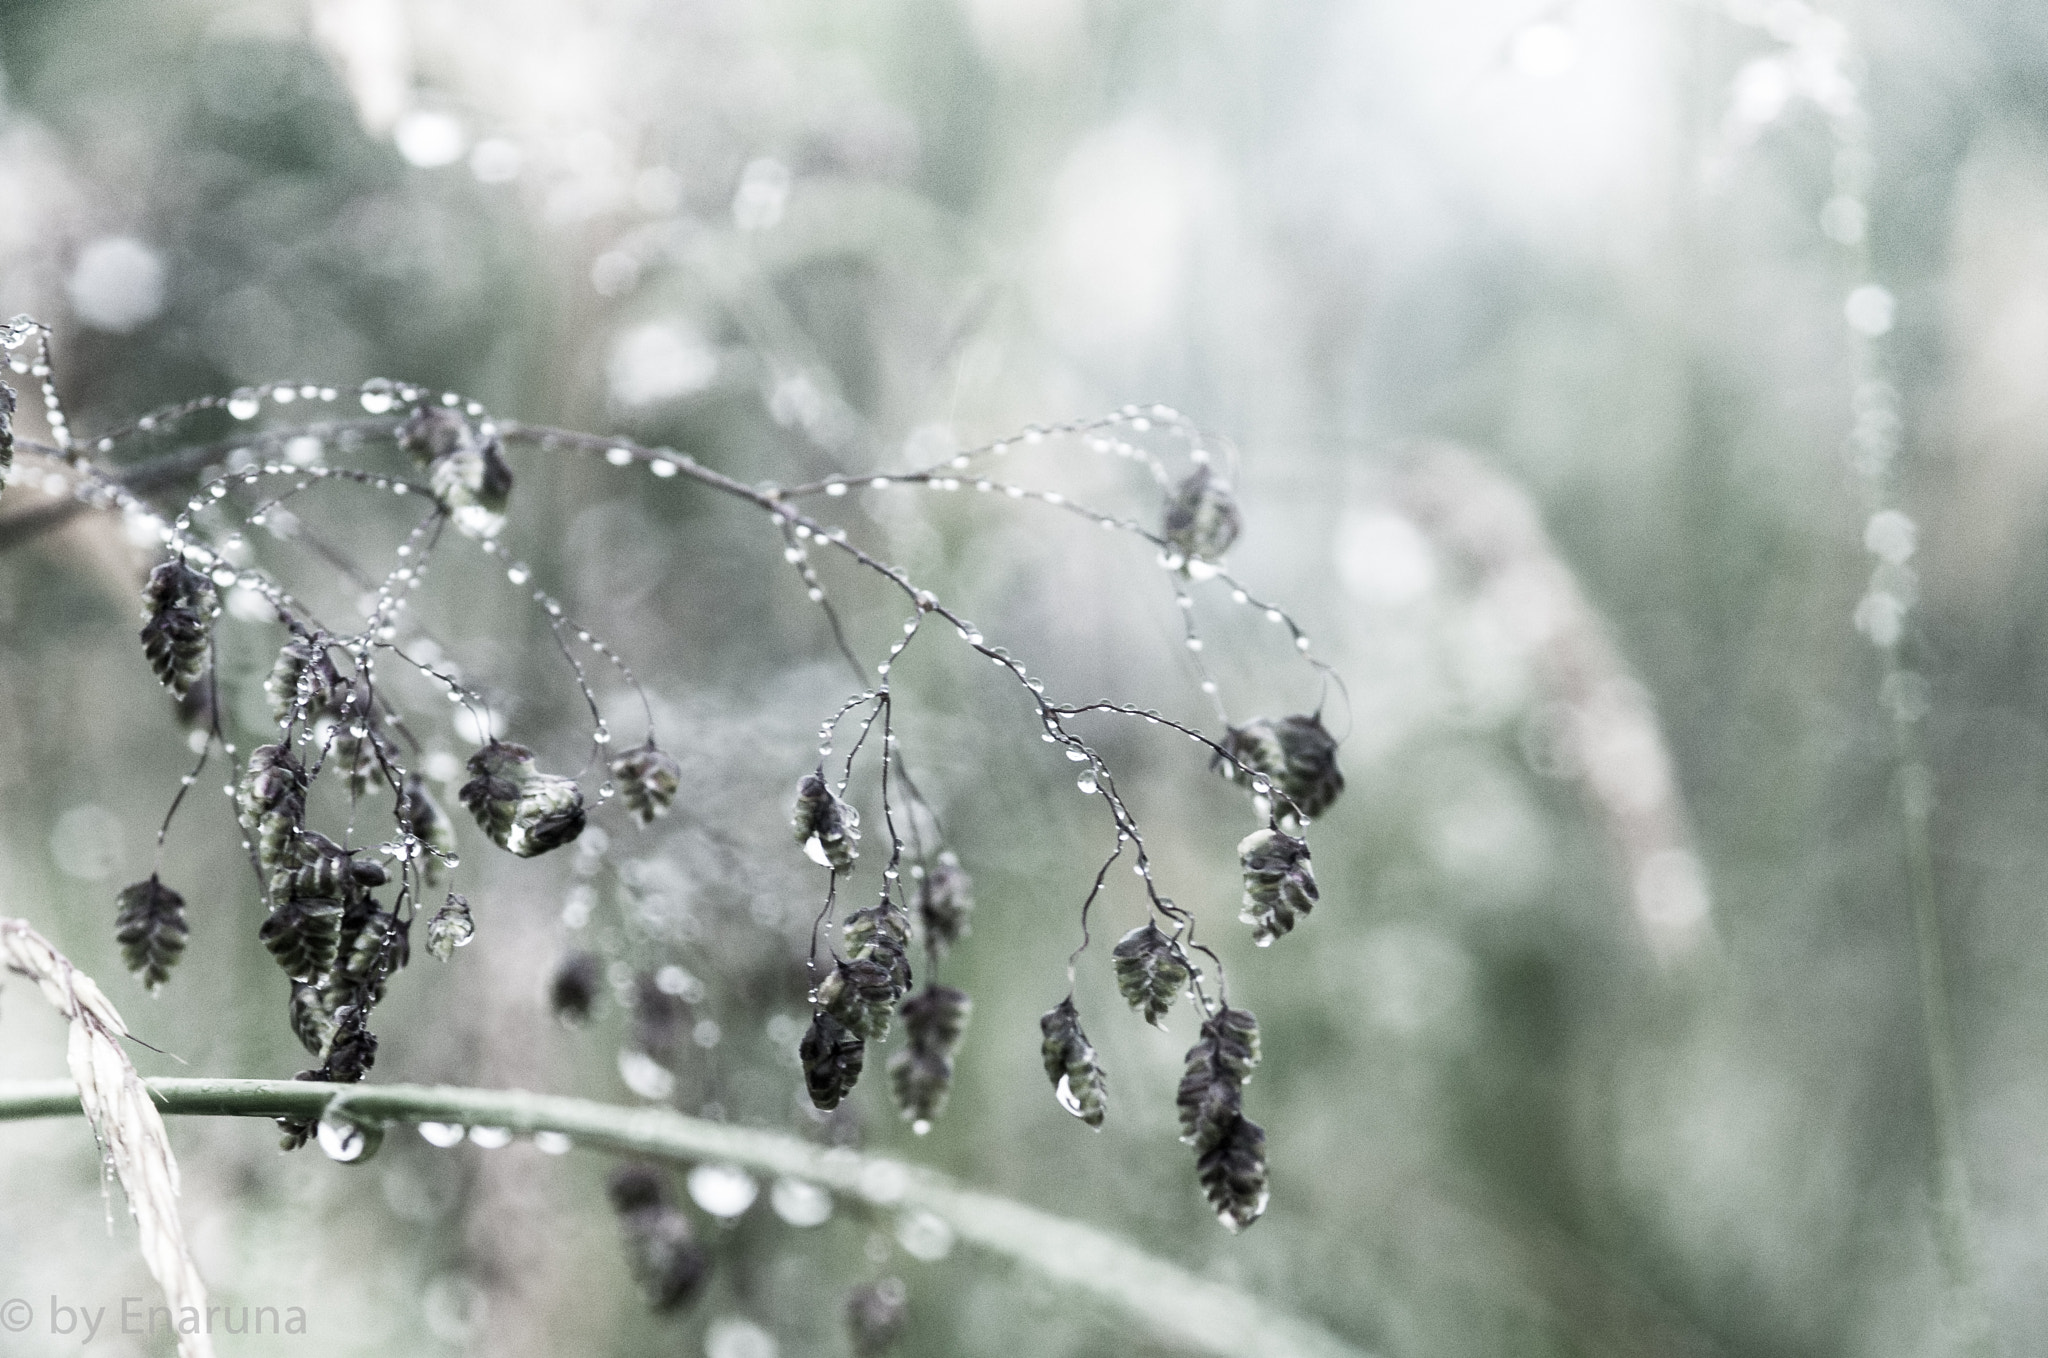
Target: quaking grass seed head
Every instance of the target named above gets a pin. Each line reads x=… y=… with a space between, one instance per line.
x=1070 y=1063
x=1279 y=883
x=921 y=1074
x=179 y=605
x=945 y=899
x=1295 y=755
x=1202 y=518
x=826 y=826
x=7 y=408
x=150 y=927
x=831 y=1055
x=647 y=779
x=669 y=1265
x=451 y=927
x=1150 y=971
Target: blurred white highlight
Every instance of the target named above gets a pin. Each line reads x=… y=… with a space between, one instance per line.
x=117 y=284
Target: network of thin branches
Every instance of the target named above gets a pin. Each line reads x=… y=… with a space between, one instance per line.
x=341 y=898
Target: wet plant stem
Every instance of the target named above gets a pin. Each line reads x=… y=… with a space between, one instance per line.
x=1186 y=1311
x=1954 y=1214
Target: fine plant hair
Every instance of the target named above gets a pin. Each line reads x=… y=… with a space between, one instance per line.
x=342 y=891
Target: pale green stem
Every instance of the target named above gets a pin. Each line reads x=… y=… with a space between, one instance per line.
x=1172 y=1304
x=1954 y=1213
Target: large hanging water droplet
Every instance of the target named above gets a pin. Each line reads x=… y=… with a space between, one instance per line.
x=346 y=1142
x=1064 y=1092
x=443 y=1134
x=244 y=405
x=1086 y=782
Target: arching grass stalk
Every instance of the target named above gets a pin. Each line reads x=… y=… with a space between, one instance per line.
x=1171 y=1303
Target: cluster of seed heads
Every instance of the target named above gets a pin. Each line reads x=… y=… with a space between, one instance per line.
x=1230 y=1149
x=340 y=944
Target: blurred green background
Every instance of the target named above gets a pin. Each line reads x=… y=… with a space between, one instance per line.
x=1567 y=422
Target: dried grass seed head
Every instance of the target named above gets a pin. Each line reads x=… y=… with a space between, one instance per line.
x=647 y=779
x=945 y=899
x=572 y=991
x=150 y=927
x=831 y=1055
x=451 y=927
x=826 y=826
x=876 y=1314
x=921 y=1074
x=1070 y=1063
x=1295 y=754
x=1202 y=518
x=179 y=605
x=1150 y=971
x=1279 y=882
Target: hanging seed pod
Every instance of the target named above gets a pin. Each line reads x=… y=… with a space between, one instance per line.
x=303 y=935
x=353 y=1049
x=667 y=1263
x=302 y=681
x=498 y=772
x=450 y=928
x=1279 y=883
x=1296 y=754
x=312 y=1018
x=1202 y=517
x=876 y=1315
x=945 y=898
x=831 y=1055
x=548 y=815
x=1230 y=1157
x=1232 y=1173
x=573 y=990
x=519 y=807
x=882 y=934
x=1150 y=971
x=271 y=804
x=921 y=1075
x=474 y=483
x=647 y=779
x=1077 y=1080
x=356 y=757
x=379 y=944
x=151 y=930
x=421 y=816
x=178 y=606
x=826 y=826
x=432 y=432
x=7 y=407
x=320 y=867
x=861 y=993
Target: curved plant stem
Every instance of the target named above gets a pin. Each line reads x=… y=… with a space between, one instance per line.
x=1954 y=1214
x=1175 y=1305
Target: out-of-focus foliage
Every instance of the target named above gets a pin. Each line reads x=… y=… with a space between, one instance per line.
x=1546 y=340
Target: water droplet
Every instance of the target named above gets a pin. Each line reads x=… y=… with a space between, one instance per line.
x=346 y=1143
x=244 y=406
x=800 y=1203
x=1086 y=782
x=924 y=1236
x=645 y=1076
x=618 y=457
x=921 y=1127
x=725 y=1191
x=552 y=1143
x=662 y=467
x=443 y=1134
x=1078 y=756
x=490 y=1138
